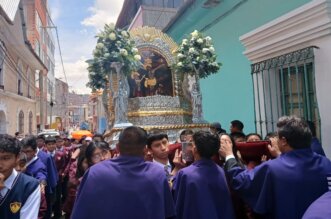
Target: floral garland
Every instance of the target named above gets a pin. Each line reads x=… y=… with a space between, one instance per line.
x=196 y=53
x=113 y=45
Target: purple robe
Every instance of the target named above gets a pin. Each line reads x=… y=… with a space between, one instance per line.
x=124 y=187
x=320 y=209
x=52 y=175
x=37 y=170
x=283 y=187
x=317 y=147
x=201 y=191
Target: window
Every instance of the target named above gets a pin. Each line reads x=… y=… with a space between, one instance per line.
x=21 y=122
x=29 y=82
x=37 y=47
x=30 y=122
x=39 y=26
x=285 y=85
x=19 y=79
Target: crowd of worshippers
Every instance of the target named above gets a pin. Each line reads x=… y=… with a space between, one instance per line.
x=204 y=174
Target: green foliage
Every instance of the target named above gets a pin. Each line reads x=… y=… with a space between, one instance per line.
x=196 y=53
x=113 y=45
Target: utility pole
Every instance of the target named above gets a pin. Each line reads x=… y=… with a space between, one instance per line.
x=41 y=88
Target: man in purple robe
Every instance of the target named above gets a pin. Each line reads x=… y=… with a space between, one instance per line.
x=320 y=209
x=286 y=186
x=125 y=187
x=200 y=190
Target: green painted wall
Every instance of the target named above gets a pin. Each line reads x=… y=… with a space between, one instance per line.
x=228 y=95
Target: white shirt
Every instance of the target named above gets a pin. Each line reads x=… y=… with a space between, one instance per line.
x=30 y=209
x=162 y=165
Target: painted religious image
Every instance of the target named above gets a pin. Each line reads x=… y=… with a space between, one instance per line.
x=154 y=78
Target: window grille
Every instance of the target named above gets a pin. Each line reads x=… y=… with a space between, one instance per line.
x=30 y=122
x=285 y=85
x=21 y=122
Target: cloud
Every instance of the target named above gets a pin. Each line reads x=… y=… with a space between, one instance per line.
x=56 y=10
x=103 y=11
x=77 y=75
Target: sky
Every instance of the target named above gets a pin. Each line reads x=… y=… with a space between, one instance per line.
x=78 y=21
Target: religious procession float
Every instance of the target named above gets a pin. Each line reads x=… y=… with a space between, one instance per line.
x=149 y=81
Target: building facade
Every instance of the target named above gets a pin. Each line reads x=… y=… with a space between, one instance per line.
x=39 y=29
x=152 y=13
x=97 y=117
x=18 y=64
x=275 y=56
x=60 y=106
x=78 y=110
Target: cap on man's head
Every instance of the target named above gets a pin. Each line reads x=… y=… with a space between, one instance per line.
x=216 y=125
x=88 y=138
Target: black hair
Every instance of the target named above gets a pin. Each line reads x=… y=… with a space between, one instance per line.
x=155 y=135
x=187 y=132
x=207 y=144
x=295 y=130
x=41 y=137
x=132 y=141
x=9 y=144
x=270 y=135
x=30 y=141
x=98 y=135
x=312 y=127
x=82 y=139
x=251 y=134
x=91 y=148
x=238 y=124
x=50 y=139
x=81 y=157
x=236 y=135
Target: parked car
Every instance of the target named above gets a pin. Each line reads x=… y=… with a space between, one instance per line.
x=49 y=133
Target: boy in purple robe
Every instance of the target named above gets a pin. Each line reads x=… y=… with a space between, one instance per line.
x=320 y=209
x=200 y=190
x=34 y=167
x=125 y=187
x=286 y=186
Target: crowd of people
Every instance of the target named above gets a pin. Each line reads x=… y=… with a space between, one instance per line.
x=204 y=174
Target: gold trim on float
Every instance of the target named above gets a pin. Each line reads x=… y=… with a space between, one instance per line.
x=162 y=127
x=159 y=113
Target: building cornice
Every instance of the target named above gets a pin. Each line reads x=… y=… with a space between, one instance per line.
x=294 y=30
x=16 y=96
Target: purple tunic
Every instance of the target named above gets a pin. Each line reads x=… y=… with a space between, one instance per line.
x=283 y=187
x=201 y=191
x=320 y=209
x=37 y=170
x=52 y=176
x=124 y=187
x=317 y=147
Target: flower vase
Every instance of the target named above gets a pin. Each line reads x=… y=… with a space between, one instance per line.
x=120 y=98
x=196 y=99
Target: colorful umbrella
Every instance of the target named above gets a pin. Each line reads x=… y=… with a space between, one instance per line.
x=80 y=133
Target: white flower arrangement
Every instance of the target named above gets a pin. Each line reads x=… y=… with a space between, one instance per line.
x=113 y=45
x=196 y=54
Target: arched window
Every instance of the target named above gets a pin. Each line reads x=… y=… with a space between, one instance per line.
x=30 y=122
x=21 y=122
